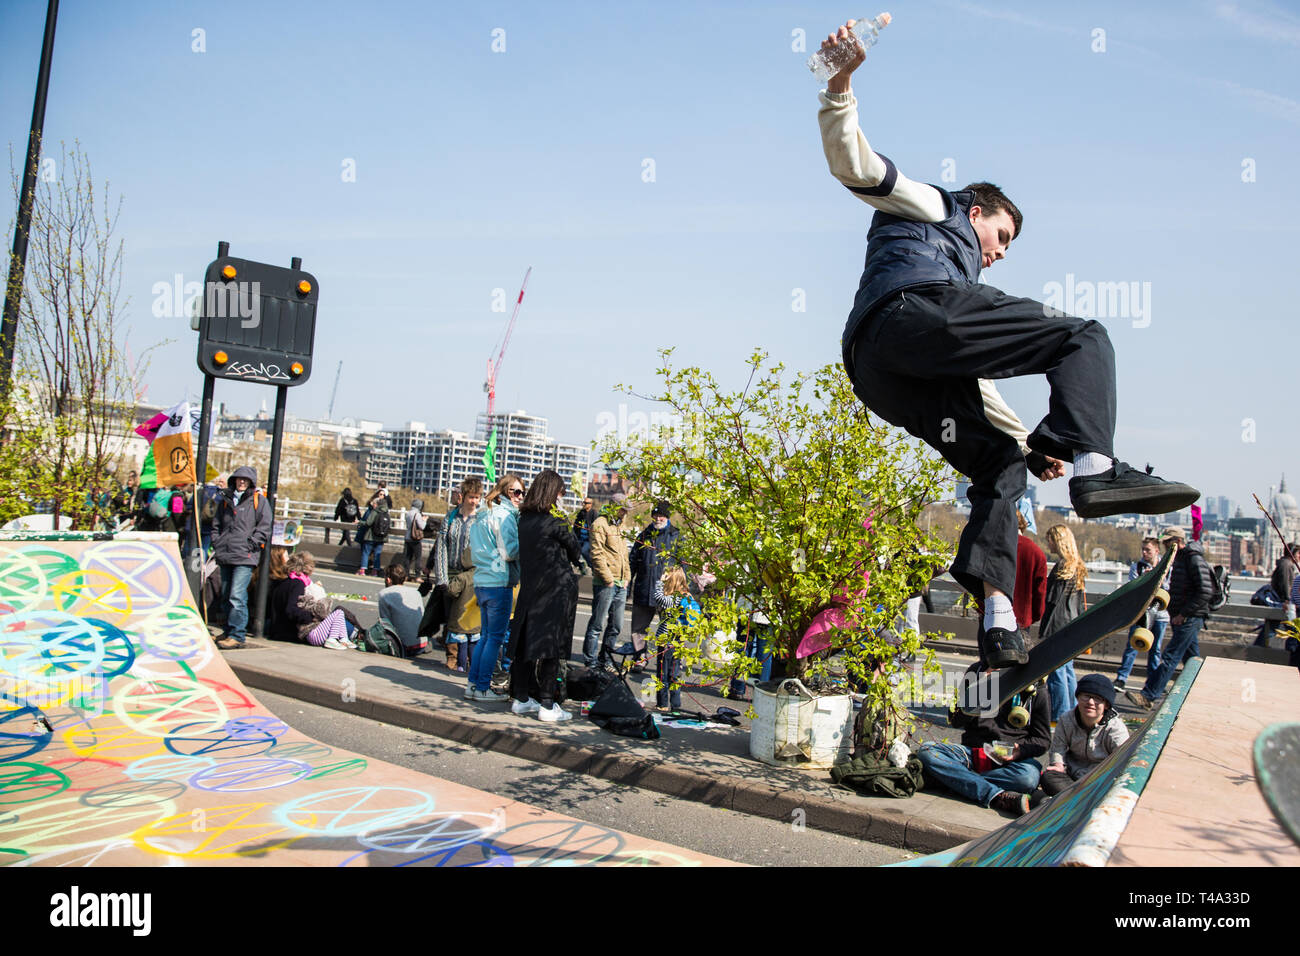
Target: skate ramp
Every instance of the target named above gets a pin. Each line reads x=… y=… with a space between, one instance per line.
x=126 y=740
x=1181 y=792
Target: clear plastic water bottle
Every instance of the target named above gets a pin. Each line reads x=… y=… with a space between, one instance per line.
x=826 y=63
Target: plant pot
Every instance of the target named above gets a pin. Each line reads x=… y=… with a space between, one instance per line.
x=794 y=728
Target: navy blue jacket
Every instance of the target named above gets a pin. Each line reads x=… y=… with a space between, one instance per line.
x=649 y=558
x=902 y=253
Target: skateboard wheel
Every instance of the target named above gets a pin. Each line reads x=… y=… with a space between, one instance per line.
x=1142 y=639
x=1160 y=598
x=1019 y=717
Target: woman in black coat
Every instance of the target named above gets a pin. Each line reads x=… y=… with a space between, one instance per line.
x=541 y=634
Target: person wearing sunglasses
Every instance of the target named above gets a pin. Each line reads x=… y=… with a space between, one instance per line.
x=494 y=543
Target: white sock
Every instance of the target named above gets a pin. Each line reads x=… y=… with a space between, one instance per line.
x=1090 y=463
x=998 y=612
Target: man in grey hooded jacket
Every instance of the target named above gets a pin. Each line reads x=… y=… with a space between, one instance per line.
x=240 y=530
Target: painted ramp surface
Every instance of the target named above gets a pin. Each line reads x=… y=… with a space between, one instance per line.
x=125 y=740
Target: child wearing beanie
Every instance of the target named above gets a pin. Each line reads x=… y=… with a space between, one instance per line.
x=1084 y=736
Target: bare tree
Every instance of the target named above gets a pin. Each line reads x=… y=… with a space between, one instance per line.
x=76 y=385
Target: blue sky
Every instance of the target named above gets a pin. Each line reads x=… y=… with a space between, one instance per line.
x=1128 y=153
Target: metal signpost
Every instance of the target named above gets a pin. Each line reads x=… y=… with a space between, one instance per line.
x=256 y=323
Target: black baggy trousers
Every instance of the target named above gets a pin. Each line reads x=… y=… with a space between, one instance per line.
x=916 y=360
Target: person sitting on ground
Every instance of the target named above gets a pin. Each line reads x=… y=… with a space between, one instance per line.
x=1084 y=736
x=1001 y=783
x=401 y=608
x=298 y=609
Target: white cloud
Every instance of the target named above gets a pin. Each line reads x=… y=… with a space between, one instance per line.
x=1269 y=23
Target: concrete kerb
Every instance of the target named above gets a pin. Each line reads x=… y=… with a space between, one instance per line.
x=921 y=833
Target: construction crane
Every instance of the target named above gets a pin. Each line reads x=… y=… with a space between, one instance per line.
x=490 y=384
x=334 y=393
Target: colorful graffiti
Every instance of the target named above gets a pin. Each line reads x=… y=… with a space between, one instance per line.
x=125 y=740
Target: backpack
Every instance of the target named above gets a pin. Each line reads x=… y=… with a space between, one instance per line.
x=380 y=639
x=1266 y=597
x=350 y=508
x=380 y=524
x=1222 y=588
x=211 y=501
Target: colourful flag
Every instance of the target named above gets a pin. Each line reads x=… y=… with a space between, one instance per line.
x=1197 y=523
x=490 y=459
x=170 y=460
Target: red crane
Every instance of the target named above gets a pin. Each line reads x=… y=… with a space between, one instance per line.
x=490 y=384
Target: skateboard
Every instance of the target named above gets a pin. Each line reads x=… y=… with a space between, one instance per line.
x=985 y=693
x=1277 y=769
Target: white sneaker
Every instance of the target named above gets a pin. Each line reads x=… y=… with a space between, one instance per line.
x=334 y=644
x=553 y=713
x=471 y=692
x=525 y=707
x=490 y=696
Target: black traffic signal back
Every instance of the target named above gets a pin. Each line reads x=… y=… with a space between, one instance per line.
x=257 y=322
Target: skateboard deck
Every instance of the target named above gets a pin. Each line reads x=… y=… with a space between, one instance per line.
x=1277 y=769
x=989 y=690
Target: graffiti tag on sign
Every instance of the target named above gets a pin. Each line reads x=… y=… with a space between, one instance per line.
x=261 y=370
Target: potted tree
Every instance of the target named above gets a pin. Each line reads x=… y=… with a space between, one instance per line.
x=804 y=509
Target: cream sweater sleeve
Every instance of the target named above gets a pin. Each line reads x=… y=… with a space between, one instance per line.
x=868 y=175
x=1000 y=415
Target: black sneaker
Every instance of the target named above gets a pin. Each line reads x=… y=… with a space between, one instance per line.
x=1003 y=648
x=1122 y=489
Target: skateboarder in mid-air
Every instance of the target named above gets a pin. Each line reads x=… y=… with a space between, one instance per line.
x=922 y=334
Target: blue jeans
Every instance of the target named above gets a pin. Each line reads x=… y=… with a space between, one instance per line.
x=755 y=647
x=1060 y=689
x=494 y=610
x=1130 y=652
x=1184 y=640
x=950 y=765
x=372 y=549
x=667 y=670
x=608 y=604
x=234 y=597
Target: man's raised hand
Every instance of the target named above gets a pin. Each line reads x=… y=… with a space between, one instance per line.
x=839 y=83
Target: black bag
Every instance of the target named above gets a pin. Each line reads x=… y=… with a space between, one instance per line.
x=380 y=525
x=617 y=711
x=350 y=509
x=585 y=684
x=435 y=612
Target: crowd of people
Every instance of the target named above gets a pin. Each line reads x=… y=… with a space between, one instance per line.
x=499 y=587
